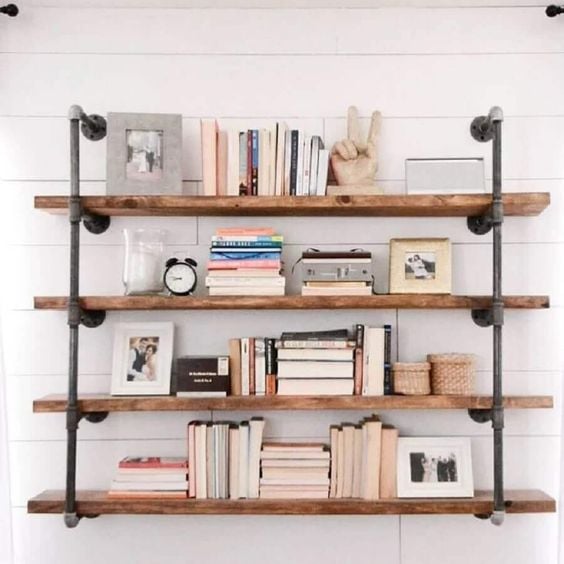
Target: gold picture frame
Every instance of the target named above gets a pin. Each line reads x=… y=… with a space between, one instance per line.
x=420 y=266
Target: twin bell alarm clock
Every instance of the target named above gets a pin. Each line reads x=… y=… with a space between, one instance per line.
x=180 y=277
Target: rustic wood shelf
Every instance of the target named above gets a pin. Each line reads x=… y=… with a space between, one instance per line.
x=93 y=503
x=94 y=403
x=384 y=301
x=453 y=205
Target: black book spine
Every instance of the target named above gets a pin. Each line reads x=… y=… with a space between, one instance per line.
x=388 y=384
x=294 y=162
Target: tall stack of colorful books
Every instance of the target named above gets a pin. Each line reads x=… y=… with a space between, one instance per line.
x=245 y=262
x=315 y=363
x=150 y=477
x=294 y=470
x=277 y=161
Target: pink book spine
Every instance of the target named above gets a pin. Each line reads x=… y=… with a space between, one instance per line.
x=233 y=264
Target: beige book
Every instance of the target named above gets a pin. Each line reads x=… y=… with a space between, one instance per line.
x=280 y=162
x=235 y=366
x=234 y=463
x=340 y=463
x=293 y=494
x=296 y=463
x=256 y=429
x=208 y=128
x=336 y=291
x=334 y=433
x=222 y=163
x=348 y=450
x=388 y=467
x=373 y=369
x=272 y=160
x=201 y=477
x=192 y=459
x=232 y=163
x=371 y=448
x=264 y=163
x=306 y=472
x=357 y=464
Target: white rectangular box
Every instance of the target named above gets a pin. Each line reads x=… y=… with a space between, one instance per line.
x=445 y=176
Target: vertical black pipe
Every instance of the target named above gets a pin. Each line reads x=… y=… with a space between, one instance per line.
x=71 y=518
x=497 y=311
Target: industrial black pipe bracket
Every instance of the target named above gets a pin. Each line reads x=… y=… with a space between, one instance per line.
x=10 y=10
x=96 y=224
x=92 y=318
x=480 y=415
x=552 y=11
x=95 y=416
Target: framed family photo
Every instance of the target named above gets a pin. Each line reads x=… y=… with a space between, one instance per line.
x=434 y=467
x=420 y=266
x=144 y=154
x=142 y=359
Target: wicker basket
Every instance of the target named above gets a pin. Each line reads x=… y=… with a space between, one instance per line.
x=452 y=374
x=411 y=378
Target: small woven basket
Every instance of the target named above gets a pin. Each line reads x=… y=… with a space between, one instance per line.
x=411 y=378
x=452 y=374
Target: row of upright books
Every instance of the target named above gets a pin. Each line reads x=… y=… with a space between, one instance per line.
x=273 y=161
x=313 y=363
x=245 y=261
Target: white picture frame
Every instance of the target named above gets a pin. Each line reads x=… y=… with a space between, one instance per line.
x=144 y=154
x=419 y=473
x=142 y=359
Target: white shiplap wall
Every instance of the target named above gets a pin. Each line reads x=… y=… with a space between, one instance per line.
x=429 y=70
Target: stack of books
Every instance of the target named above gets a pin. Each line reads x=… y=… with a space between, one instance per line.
x=315 y=363
x=245 y=262
x=363 y=460
x=150 y=477
x=294 y=470
x=262 y=162
x=337 y=273
x=224 y=459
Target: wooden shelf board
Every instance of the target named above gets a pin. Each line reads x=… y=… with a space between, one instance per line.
x=451 y=205
x=97 y=503
x=89 y=403
x=383 y=301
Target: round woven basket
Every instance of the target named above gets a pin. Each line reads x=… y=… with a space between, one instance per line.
x=411 y=378
x=452 y=374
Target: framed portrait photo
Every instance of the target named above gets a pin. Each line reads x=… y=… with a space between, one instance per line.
x=144 y=154
x=142 y=360
x=420 y=266
x=434 y=467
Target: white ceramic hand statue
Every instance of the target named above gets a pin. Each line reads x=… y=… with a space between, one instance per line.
x=353 y=160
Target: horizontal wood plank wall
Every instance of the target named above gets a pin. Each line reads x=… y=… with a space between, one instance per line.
x=430 y=70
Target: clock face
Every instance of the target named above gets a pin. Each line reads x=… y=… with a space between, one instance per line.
x=180 y=278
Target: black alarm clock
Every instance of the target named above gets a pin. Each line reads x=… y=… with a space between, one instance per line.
x=180 y=277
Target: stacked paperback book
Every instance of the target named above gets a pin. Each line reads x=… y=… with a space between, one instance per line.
x=224 y=459
x=150 y=477
x=294 y=471
x=245 y=262
x=337 y=273
x=363 y=460
x=262 y=162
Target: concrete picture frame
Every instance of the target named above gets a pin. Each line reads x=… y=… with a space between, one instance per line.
x=136 y=170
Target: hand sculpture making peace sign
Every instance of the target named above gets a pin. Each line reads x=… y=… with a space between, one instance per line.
x=353 y=160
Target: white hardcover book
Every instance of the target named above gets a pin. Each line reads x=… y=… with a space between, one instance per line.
x=246 y=291
x=295 y=455
x=314 y=387
x=296 y=463
x=316 y=145
x=244 y=460
x=348 y=465
x=244 y=282
x=201 y=455
x=147 y=477
x=234 y=462
x=315 y=369
x=256 y=429
x=222 y=163
x=232 y=163
x=371 y=447
x=245 y=375
x=373 y=373
x=300 y=165
x=287 y=161
x=324 y=481
x=322 y=172
x=181 y=485
x=280 y=160
x=260 y=367
x=334 y=432
x=264 y=162
x=357 y=462
x=307 y=165
x=272 y=160
x=340 y=463
x=192 y=459
x=316 y=354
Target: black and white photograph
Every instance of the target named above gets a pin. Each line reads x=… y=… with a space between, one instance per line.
x=144 y=155
x=420 y=265
x=434 y=467
x=142 y=358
